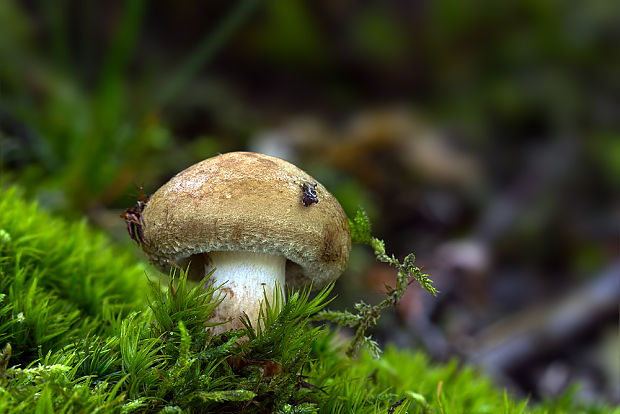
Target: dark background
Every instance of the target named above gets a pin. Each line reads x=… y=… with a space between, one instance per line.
x=483 y=136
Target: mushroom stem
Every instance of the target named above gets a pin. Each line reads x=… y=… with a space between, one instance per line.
x=246 y=278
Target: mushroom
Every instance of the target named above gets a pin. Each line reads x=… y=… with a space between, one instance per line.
x=259 y=221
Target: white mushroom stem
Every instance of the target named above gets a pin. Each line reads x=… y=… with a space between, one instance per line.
x=246 y=279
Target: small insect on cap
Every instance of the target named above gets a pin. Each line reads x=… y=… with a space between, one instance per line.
x=244 y=201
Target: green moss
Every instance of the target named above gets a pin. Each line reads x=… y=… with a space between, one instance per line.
x=58 y=281
x=78 y=334
x=366 y=315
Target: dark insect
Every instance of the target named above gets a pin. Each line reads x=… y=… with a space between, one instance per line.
x=396 y=405
x=133 y=217
x=309 y=194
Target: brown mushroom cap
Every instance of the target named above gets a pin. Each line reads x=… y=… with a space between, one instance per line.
x=244 y=201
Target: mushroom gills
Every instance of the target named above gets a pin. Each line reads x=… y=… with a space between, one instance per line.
x=246 y=278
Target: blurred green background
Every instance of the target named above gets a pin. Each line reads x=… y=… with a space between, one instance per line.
x=483 y=136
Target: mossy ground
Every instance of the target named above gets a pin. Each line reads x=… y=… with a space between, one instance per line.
x=79 y=333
